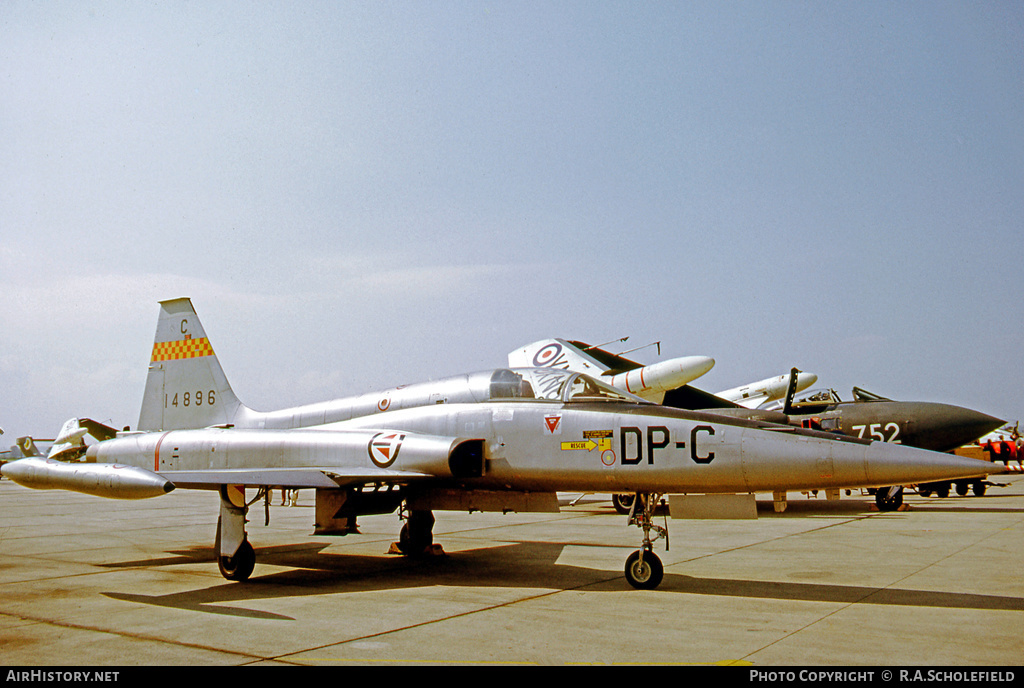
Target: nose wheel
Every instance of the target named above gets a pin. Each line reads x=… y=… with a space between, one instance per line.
x=644 y=570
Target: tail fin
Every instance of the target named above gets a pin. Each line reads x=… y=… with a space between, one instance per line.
x=69 y=445
x=186 y=387
x=27 y=447
x=557 y=353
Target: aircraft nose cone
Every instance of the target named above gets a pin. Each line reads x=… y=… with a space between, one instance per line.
x=982 y=424
x=976 y=423
x=948 y=427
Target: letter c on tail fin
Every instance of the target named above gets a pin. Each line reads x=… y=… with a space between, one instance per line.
x=186 y=387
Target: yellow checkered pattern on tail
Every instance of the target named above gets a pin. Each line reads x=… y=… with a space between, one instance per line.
x=183 y=348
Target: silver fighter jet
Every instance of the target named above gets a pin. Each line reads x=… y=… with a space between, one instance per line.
x=498 y=440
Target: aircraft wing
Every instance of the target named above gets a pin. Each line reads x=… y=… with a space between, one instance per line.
x=97 y=430
x=693 y=399
x=752 y=402
x=291 y=478
x=614 y=362
x=297 y=458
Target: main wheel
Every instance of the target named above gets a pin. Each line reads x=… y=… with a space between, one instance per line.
x=417 y=533
x=889 y=498
x=623 y=503
x=240 y=566
x=979 y=488
x=645 y=574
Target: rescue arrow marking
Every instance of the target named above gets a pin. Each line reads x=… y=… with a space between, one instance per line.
x=589 y=445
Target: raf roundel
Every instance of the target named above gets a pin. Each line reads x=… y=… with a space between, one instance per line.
x=547 y=354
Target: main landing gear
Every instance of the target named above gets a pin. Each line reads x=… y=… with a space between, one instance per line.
x=238 y=567
x=235 y=556
x=623 y=503
x=889 y=498
x=644 y=569
x=417 y=535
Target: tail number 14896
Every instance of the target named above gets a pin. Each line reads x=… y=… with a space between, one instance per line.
x=197 y=398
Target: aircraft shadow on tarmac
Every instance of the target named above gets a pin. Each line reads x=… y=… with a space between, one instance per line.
x=964 y=505
x=852 y=505
x=520 y=565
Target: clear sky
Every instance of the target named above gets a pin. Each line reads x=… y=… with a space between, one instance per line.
x=358 y=195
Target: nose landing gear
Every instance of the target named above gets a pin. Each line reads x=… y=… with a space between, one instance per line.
x=644 y=569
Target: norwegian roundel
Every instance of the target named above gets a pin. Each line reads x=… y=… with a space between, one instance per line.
x=384 y=448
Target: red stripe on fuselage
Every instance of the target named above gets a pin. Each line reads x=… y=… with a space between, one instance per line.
x=156 y=454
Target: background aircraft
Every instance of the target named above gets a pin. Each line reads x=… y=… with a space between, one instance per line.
x=1004 y=444
x=502 y=440
x=649 y=382
x=25 y=446
x=765 y=391
x=69 y=444
x=665 y=382
x=926 y=425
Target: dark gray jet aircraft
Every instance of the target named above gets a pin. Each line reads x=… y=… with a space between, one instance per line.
x=926 y=425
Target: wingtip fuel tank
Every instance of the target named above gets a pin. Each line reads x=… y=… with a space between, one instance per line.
x=657 y=378
x=113 y=481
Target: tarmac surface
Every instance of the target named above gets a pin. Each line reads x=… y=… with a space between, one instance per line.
x=86 y=581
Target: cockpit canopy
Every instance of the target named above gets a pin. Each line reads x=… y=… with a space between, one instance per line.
x=808 y=398
x=813 y=397
x=552 y=384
